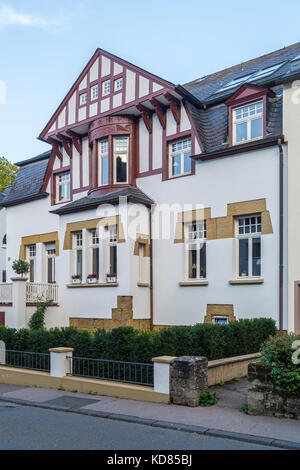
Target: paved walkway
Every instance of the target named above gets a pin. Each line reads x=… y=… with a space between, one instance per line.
x=225 y=417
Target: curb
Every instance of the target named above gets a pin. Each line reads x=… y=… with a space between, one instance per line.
x=264 y=441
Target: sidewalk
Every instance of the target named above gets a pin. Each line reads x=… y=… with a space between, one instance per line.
x=224 y=419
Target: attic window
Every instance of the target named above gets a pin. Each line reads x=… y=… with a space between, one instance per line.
x=106 y=88
x=94 y=92
x=247 y=122
x=83 y=99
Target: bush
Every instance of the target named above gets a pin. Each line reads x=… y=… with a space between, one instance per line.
x=127 y=344
x=277 y=355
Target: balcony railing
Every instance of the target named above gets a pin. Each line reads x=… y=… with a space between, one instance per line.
x=5 y=293
x=35 y=292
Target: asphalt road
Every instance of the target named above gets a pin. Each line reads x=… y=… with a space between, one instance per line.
x=27 y=428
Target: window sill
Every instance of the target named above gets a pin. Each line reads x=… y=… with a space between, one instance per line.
x=193 y=283
x=143 y=284
x=102 y=284
x=246 y=281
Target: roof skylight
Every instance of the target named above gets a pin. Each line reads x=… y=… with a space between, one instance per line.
x=236 y=82
x=266 y=72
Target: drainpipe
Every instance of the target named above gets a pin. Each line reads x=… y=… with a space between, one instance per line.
x=151 y=269
x=280 y=234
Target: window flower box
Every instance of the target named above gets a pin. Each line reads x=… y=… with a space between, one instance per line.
x=76 y=279
x=110 y=278
x=92 y=278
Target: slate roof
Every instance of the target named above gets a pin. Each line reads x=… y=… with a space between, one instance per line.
x=28 y=182
x=132 y=193
x=206 y=89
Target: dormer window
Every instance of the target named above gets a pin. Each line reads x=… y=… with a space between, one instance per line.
x=247 y=122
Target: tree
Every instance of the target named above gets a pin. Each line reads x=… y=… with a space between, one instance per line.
x=20 y=266
x=8 y=172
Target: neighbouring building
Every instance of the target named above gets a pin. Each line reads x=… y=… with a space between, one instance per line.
x=161 y=204
x=2 y=240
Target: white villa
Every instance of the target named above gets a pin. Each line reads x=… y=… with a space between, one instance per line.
x=161 y=204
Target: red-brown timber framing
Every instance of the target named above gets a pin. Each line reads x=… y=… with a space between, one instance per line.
x=164 y=84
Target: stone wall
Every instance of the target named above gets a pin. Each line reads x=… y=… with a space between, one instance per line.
x=264 y=400
x=121 y=316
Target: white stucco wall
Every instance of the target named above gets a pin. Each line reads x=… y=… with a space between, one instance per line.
x=2 y=247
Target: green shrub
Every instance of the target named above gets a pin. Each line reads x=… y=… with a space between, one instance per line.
x=127 y=344
x=277 y=355
x=208 y=399
x=37 y=320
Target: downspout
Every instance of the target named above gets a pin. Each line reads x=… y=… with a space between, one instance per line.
x=151 y=269
x=280 y=235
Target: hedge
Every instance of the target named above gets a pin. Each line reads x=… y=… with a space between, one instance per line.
x=126 y=344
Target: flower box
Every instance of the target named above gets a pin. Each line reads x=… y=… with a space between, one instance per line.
x=76 y=280
x=91 y=280
x=110 y=278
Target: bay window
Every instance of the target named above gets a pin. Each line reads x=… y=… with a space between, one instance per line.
x=63 y=187
x=120 y=159
x=103 y=159
x=195 y=235
x=249 y=246
x=247 y=122
x=180 y=157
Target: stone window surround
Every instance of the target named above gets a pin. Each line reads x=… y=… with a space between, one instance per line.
x=41 y=238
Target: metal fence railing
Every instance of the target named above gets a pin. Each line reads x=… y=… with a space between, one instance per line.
x=119 y=371
x=25 y=360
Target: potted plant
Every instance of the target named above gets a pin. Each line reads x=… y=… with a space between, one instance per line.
x=92 y=278
x=112 y=277
x=76 y=279
x=21 y=267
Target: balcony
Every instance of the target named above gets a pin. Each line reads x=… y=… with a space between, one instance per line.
x=38 y=292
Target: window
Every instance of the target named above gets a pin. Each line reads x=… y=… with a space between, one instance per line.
x=196 y=249
x=94 y=92
x=63 y=187
x=180 y=157
x=106 y=88
x=121 y=149
x=31 y=256
x=217 y=320
x=4 y=241
x=112 y=238
x=78 y=253
x=4 y=276
x=248 y=122
x=103 y=162
x=50 y=252
x=95 y=252
x=118 y=84
x=249 y=246
x=83 y=99
x=141 y=262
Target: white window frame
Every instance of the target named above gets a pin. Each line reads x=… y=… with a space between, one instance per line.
x=78 y=246
x=94 y=92
x=101 y=155
x=123 y=153
x=244 y=112
x=141 y=262
x=111 y=241
x=249 y=236
x=118 y=84
x=195 y=238
x=106 y=88
x=65 y=184
x=83 y=99
x=186 y=148
x=94 y=243
x=51 y=254
x=219 y=317
x=31 y=257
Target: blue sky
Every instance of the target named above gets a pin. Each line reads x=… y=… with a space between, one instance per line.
x=44 y=46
